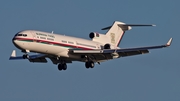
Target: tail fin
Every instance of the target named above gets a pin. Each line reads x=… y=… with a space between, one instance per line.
x=117 y=30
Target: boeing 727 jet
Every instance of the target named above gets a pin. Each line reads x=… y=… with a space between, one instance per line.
x=61 y=49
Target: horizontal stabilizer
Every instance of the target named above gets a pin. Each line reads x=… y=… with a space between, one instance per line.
x=106 y=28
x=135 y=25
x=131 y=25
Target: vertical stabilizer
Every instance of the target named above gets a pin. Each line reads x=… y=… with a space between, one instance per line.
x=116 y=32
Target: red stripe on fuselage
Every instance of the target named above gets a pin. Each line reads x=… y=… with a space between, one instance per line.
x=56 y=43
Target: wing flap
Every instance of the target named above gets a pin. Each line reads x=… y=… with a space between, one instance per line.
x=131 y=53
x=88 y=51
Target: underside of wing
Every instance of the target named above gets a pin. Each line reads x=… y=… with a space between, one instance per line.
x=131 y=53
x=40 y=58
x=32 y=58
x=102 y=55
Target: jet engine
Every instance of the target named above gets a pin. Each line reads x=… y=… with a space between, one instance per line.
x=94 y=34
x=107 y=46
x=101 y=38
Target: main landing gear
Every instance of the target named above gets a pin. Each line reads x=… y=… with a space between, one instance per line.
x=89 y=64
x=62 y=66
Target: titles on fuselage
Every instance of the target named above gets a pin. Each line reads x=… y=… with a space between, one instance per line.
x=46 y=35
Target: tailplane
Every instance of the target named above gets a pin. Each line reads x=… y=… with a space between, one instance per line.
x=117 y=30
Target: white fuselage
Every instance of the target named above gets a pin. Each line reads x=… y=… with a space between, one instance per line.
x=54 y=44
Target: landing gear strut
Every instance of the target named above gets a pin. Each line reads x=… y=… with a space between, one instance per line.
x=89 y=64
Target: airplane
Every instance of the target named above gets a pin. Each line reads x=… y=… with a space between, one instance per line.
x=61 y=49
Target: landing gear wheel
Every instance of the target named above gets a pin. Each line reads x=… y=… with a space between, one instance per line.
x=89 y=64
x=62 y=66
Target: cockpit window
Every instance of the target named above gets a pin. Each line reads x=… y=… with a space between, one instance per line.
x=21 y=35
x=24 y=35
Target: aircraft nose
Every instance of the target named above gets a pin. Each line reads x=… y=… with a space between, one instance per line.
x=14 y=41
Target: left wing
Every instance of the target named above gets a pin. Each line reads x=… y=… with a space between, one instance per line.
x=31 y=58
x=108 y=53
x=41 y=58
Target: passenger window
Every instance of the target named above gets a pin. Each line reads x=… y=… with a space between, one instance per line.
x=64 y=41
x=70 y=42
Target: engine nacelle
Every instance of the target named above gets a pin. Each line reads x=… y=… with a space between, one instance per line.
x=101 y=38
x=94 y=34
x=107 y=46
x=98 y=36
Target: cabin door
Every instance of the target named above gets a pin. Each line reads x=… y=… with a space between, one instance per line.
x=34 y=36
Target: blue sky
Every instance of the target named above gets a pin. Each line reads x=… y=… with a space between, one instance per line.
x=150 y=77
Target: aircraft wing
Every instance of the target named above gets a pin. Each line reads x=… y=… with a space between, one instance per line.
x=108 y=53
x=31 y=58
x=41 y=58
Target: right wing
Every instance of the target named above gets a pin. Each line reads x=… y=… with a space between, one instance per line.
x=105 y=54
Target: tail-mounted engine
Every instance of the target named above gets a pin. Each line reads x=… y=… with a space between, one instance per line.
x=101 y=38
x=93 y=35
x=107 y=46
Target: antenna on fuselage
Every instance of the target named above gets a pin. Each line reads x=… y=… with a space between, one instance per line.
x=52 y=32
